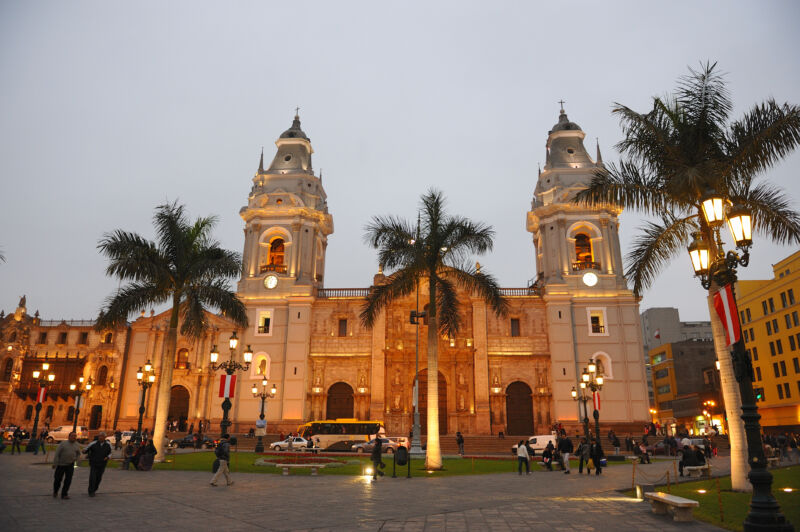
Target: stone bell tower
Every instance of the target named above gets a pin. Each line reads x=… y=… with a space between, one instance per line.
x=285 y=237
x=591 y=313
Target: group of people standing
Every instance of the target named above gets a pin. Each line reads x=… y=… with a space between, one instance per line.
x=590 y=454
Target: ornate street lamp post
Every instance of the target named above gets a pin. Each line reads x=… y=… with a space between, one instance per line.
x=716 y=267
x=263 y=394
x=590 y=379
x=583 y=398
x=42 y=380
x=78 y=390
x=145 y=378
x=230 y=367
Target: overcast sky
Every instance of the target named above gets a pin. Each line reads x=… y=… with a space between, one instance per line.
x=108 y=109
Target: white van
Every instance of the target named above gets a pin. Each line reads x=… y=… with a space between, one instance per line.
x=62 y=433
x=538 y=443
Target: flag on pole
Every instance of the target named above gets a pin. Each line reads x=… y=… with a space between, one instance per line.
x=226 y=385
x=596 y=400
x=725 y=306
x=40 y=397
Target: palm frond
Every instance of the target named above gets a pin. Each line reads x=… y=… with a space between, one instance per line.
x=655 y=246
x=766 y=134
x=132 y=257
x=399 y=284
x=771 y=211
x=447 y=307
x=481 y=283
x=131 y=298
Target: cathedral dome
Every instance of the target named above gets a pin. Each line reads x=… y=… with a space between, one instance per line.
x=294 y=132
x=564 y=124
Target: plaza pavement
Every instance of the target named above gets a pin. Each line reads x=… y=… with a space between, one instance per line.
x=183 y=500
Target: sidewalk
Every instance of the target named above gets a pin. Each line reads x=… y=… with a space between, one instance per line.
x=183 y=499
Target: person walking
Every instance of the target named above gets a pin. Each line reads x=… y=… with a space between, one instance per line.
x=40 y=442
x=223 y=454
x=583 y=452
x=16 y=437
x=523 y=458
x=377 y=459
x=117 y=439
x=615 y=444
x=565 y=448
x=67 y=452
x=98 y=453
x=596 y=454
x=460 y=442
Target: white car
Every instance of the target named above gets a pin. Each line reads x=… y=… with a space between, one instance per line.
x=297 y=442
x=127 y=435
x=62 y=433
x=538 y=443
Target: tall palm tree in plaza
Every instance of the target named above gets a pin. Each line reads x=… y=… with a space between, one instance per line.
x=436 y=251
x=672 y=156
x=186 y=268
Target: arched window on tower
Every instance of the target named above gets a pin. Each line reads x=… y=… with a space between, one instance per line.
x=275 y=257
x=584 y=259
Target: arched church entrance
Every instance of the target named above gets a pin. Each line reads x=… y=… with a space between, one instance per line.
x=96 y=417
x=340 y=401
x=179 y=405
x=423 y=402
x=519 y=409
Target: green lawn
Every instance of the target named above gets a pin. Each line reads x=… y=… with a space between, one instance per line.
x=735 y=505
x=350 y=465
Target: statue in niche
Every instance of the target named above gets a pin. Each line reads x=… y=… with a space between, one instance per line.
x=461 y=401
x=600 y=369
x=460 y=378
x=317 y=381
x=397 y=401
x=397 y=376
x=362 y=381
x=496 y=380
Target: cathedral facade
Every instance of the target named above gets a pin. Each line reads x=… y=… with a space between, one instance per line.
x=511 y=374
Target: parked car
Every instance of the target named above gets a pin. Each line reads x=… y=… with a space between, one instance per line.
x=401 y=441
x=298 y=444
x=127 y=435
x=658 y=448
x=7 y=432
x=387 y=446
x=538 y=443
x=188 y=441
x=62 y=433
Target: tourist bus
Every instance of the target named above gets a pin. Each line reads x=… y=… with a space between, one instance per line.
x=340 y=434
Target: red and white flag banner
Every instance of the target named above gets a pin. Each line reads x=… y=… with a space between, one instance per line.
x=227 y=384
x=725 y=306
x=40 y=397
x=596 y=400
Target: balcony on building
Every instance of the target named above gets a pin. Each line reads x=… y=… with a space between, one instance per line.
x=585 y=265
x=276 y=268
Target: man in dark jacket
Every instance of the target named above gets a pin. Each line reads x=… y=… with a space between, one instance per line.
x=377 y=461
x=565 y=448
x=223 y=454
x=98 y=453
x=596 y=454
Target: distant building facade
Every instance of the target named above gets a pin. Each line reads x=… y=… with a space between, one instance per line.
x=770 y=320
x=662 y=325
x=686 y=383
x=511 y=374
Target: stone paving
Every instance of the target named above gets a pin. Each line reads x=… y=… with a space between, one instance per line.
x=179 y=500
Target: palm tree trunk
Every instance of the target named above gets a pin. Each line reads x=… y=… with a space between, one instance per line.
x=733 y=404
x=165 y=380
x=433 y=453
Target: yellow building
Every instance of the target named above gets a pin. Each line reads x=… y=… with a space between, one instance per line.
x=686 y=386
x=770 y=316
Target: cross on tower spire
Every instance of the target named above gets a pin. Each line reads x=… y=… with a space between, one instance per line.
x=297 y=112
x=562 y=105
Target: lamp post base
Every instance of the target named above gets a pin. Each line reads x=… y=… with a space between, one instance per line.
x=260 y=445
x=416 y=441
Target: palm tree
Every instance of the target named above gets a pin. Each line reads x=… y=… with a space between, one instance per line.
x=676 y=153
x=187 y=268
x=437 y=251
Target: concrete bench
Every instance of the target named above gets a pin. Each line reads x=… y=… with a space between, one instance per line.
x=773 y=461
x=314 y=468
x=662 y=503
x=698 y=470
